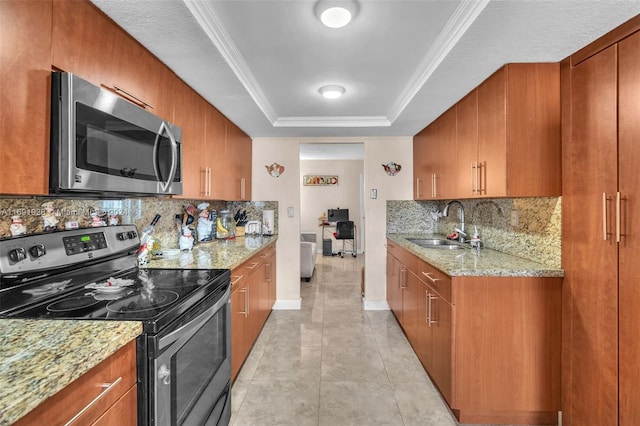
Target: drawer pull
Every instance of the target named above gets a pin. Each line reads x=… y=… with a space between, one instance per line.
x=428 y=275
x=237 y=278
x=253 y=265
x=108 y=387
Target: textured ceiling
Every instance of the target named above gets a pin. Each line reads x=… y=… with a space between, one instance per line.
x=403 y=62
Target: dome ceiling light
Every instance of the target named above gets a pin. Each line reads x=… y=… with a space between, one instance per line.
x=332 y=91
x=336 y=13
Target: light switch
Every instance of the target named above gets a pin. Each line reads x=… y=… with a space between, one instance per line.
x=373 y=194
x=290 y=211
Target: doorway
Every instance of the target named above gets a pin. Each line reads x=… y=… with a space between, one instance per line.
x=339 y=168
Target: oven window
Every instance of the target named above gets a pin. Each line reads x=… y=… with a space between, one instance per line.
x=196 y=364
x=109 y=145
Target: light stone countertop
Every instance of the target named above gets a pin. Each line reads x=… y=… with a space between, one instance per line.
x=38 y=358
x=217 y=254
x=467 y=263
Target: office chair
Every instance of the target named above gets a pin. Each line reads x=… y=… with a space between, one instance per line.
x=345 y=231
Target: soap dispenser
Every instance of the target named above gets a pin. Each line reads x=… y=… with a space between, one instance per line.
x=475 y=239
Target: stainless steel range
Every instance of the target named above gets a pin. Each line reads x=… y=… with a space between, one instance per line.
x=183 y=355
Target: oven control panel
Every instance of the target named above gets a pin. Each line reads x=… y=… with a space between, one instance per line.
x=34 y=252
x=76 y=244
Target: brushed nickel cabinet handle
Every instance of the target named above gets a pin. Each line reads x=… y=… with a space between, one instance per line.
x=474 y=178
x=253 y=265
x=604 y=216
x=237 y=278
x=428 y=302
x=418 y=188
x=243 y=188
x=618 y=216
x=428 y=275
x=403 y=277
x=108 y=387
x=431 y=320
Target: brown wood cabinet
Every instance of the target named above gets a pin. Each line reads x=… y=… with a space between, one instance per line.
x=105 y=395
x=601 y=187
x=88 y=43
x=491 y=345
x=238 y=173
x=503 y=139
x=252 y=298
x=25 y=67
x=435 y=159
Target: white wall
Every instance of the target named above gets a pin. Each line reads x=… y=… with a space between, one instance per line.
x=286 y=190
x=316 y=200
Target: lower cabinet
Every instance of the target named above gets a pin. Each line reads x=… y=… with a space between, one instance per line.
x=491 y=345
x=106 y=395
x=252 y=298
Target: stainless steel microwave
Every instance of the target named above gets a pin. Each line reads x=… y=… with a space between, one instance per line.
x=104 y=145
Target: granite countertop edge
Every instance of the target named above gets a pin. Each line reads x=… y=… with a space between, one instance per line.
x=466 y=263
x=38 y=358
x=217 y=254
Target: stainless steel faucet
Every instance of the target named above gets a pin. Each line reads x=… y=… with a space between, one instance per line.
x=445 y=212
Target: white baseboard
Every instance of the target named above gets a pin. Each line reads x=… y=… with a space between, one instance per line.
x=376 y=305
x=287 y=305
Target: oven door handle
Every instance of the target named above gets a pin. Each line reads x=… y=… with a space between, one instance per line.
x=189 y=329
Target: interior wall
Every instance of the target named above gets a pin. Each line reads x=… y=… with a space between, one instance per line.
x=316 y=200
x=286 y=191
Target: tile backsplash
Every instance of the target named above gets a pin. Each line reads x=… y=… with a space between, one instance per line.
x=137 y=211
x=537 y=235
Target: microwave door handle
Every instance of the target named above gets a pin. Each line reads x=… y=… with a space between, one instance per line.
x=174 y=156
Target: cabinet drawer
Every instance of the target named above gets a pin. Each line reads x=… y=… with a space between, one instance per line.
x=88 y=397
x=405 y=257
x=435 y=279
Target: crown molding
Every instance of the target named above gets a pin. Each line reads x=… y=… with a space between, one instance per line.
x=208 y=19
x=464 y=15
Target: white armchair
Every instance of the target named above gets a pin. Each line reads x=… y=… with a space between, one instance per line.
x=308 y=253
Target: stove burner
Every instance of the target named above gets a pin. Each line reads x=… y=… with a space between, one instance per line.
x=141 y=303
x=72 y=304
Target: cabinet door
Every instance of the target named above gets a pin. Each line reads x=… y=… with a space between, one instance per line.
x=439 y=153
x=216 y=156
x=467 y=147
x=629 y=248
x=239 y=312
x=86 y=42
x=410 y=305
x=238 y=148
x=25 y=64
x=423 y=346
x=190 y=113
x=421 y=176
x=590 y=385
x=255 y=282
x=492 y=137
x=439 y=320
x=394 y=293
x=270 y=265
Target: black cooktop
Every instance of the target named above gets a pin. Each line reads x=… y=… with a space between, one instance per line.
x=153 y=296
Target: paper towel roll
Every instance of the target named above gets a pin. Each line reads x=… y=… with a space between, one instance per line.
x=267 y=222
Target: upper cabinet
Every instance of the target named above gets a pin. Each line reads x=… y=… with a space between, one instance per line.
x=434 y=156
x=238 y=153
x=88 y=43
x=75 y=36
x=25 y=66
x=507 y=136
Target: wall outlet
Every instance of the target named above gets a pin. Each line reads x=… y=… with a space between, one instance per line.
x=515 y=218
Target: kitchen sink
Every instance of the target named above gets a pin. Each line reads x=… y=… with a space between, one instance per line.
x=436 y=243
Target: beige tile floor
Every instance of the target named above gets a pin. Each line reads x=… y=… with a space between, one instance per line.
x=334 y=364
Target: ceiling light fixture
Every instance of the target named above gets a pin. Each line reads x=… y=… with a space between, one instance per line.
x=332 y=91
x=336 y=13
